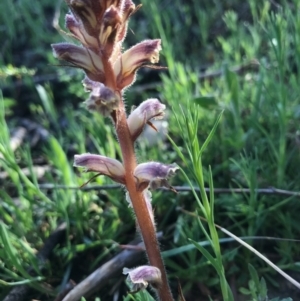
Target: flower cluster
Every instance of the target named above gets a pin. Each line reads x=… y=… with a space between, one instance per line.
x=100 y=26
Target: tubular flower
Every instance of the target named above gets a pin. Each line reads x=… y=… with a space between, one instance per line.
x=154 y=175
x=81 y=57
x=102 y=99
x=127 y=64
x=139 y=278
x=103 y=165
x=147 y=110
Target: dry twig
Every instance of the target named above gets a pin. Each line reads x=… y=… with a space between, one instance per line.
x=110 y=269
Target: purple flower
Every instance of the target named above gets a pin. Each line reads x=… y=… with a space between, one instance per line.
x=147 y=110
x=140 y=277
x=81 y=57
x=154 y=174
x=132 y=59
x=103 y=165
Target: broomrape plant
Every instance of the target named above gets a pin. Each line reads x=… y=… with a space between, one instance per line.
x=100 y=26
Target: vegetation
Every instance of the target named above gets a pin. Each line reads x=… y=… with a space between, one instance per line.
x=232 y=80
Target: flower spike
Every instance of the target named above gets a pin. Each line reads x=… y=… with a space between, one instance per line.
x=100 y=26
x=147 y=110
x=103 y=165
x=154 y=174
x=139 y=278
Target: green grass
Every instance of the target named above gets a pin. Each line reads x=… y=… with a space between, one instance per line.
x=255 y=145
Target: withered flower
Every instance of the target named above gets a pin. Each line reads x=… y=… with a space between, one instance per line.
x=102 y=99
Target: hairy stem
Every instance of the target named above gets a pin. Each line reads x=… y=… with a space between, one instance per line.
x=139 y=204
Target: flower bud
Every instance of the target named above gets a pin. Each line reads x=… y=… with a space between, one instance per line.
x=128 y=9
x=112 y=20
x=154 y=174
x=103 y=165
x=127 y=64
x=102 y=99
x=81 y=57
x=139 y=278
x=147 y=110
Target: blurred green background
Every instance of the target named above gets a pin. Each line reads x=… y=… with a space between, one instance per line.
x=242 y=57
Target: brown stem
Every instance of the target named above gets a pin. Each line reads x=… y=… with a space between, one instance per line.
x=138 y=203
